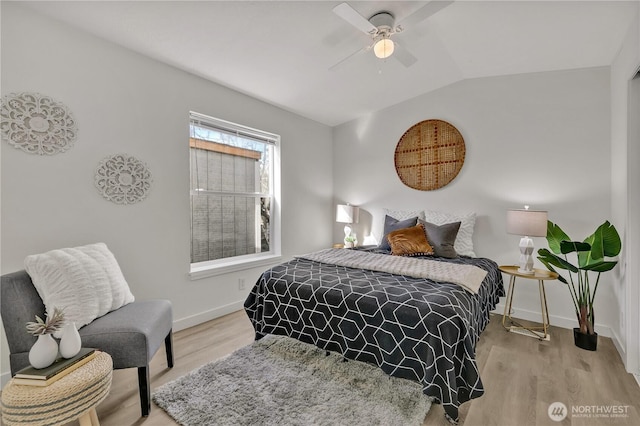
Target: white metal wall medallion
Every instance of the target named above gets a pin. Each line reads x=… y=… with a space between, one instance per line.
x=37 y=124
x=123 y=179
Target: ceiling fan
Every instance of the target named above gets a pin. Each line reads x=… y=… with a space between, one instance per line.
x=382 y=26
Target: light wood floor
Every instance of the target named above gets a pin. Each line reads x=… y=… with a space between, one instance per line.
x=522 y=377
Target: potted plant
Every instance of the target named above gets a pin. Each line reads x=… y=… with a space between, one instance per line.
x=45 y=350
x=591 y=255
x=350 y=241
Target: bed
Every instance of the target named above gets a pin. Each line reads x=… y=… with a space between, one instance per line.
x=411 y=327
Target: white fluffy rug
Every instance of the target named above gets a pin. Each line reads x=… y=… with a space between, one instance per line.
x=281 y=381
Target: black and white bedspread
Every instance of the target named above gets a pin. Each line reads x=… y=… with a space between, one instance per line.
x=413 y=328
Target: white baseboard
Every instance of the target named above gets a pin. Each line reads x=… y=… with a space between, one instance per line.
x=205 y=316
x=4 y=378
x=558 y=321
x=637 y=377
x=617 y=343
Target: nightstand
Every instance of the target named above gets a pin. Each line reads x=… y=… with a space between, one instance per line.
x=540 y=332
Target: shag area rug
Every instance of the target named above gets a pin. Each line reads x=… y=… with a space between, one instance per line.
x=281 y=381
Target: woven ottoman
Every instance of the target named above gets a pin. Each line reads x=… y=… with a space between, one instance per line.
x=74 y=396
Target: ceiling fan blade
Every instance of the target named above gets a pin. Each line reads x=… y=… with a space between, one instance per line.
x=403 y=56
x=343 y=61
x=423 y=13
x=350 y=15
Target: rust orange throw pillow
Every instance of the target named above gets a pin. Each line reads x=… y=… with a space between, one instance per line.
x=409 y=242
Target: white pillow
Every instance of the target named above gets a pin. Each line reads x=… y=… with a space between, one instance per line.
x=403 y=214
x=464 y=240
x=86 y=282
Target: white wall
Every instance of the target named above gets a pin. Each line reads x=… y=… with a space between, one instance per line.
x=541 y=139
x=625 y=200
x=124 y=102
x=519 y=130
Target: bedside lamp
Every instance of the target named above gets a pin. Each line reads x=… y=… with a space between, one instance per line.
x=527 y=223
x=346 y=213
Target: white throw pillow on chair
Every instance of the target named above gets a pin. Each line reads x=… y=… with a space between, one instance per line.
x=86 y=282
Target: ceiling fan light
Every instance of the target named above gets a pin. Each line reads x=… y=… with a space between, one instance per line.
x=383 y=48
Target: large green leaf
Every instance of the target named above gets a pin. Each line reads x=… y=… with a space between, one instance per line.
x=552 y=269
x=611 y=244
x=590 y=257
x=600 y=266
x=574 y=246
x=546 y=257
x=605 y=242
x=555 y=235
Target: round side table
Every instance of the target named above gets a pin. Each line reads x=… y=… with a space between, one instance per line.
x=74 y=396
x=538 y=274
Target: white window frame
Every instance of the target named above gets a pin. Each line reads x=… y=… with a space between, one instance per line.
x=239 y=263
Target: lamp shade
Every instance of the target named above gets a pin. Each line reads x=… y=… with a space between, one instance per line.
x=346 y=213
x=530 y=223
x=383 y=48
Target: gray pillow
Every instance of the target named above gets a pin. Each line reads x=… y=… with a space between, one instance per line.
x=392 y=224
x=442 y=238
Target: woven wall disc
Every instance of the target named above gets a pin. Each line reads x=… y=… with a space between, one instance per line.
x=429 y=155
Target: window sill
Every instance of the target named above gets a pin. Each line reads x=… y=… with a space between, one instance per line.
x=201 y=272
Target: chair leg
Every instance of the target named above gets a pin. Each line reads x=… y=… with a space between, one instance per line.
x=145 y=390
x=168 y=344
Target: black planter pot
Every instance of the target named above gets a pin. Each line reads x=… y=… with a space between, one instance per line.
x=585 y=340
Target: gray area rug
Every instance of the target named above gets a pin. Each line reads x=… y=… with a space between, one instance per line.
x=281 y=381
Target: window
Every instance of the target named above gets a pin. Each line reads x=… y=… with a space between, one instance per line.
x=234 y=196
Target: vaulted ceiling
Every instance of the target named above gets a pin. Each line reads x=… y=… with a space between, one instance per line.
x=281 y=51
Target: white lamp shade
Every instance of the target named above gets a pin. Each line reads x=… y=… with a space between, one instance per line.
x=530 y=223
x=346 y=213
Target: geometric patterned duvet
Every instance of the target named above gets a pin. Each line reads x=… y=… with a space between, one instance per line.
x=412 y=328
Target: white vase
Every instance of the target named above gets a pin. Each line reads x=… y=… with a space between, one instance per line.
x=70 y=342
x=43 y=352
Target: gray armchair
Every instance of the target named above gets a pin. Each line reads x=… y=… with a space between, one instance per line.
x=131 y=335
